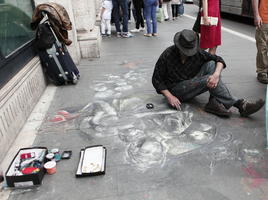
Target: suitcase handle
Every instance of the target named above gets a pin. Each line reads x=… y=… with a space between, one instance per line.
x=58 y=44
x=45 y=20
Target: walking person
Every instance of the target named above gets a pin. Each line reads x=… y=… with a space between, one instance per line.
x=150 y=16
x=166 y=5
x=106 y=12
x=133 y=11
x=210 y=34
x=129 y=10
x=175 y=8
x=181 y=8
x=184 y=71
x=123 y=4
x=260 y=10
x=138 y=6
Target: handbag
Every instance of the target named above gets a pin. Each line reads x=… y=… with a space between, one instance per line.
x=197 y=24
x=213 y=21
x=160 y=15
x=44 y=37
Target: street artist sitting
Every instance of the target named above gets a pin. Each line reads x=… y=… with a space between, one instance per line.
x=184 y=71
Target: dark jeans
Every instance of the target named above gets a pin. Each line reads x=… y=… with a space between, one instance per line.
x=181 y=9
x=129 y=9
x=175 y=9
x=188 y=89
x=123 y=4
x=138 y=5
x=134 y=14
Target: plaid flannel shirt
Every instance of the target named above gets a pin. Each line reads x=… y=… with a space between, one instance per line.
x=169 y=69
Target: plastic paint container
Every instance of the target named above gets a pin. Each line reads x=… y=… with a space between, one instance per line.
x=57 y=157
x=50 y=156
x=54 y=150
x=50 y=167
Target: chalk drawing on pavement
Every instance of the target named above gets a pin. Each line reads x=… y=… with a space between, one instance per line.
x=149 y=136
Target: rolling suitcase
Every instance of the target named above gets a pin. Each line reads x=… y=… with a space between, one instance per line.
x=57 y=62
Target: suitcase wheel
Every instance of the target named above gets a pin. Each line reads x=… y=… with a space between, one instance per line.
x=74 y=81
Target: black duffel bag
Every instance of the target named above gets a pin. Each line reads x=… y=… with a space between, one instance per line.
x=44 y=37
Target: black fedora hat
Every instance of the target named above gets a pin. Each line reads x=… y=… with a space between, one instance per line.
x=186 y=41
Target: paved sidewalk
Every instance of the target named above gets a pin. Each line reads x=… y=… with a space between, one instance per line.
x=158 y=154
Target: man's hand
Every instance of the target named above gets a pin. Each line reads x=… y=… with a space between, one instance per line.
x=213 y=81
x=174 y=102
x=257 y=21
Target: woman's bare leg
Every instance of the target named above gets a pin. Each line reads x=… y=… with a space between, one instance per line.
x=212 y=50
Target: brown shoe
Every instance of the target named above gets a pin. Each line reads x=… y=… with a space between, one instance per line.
x=147 y=35
x=246 y=108
x=216 y=108
x=262 y=77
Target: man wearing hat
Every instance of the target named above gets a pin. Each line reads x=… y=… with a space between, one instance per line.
x=184 y=71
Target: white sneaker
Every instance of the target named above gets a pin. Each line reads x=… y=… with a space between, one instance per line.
x=127 y=35
x=142 y=28
x=135 y=30
x=118 y=34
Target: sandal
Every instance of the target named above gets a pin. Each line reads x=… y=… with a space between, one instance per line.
x=148 y=35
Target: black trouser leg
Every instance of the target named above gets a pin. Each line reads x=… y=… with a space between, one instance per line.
x=138 y=6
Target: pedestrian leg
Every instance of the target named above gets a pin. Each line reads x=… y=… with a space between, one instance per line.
x=137 y=7
x=164 y=6
x=147 y=9
x=169 y=9
x=116 y=16
x=108 y=25
x=173 y=6
x=181 y=9
x=103 y=26
x=176 y=10
x=154 y=21
x=124 y=7
x=262 y=49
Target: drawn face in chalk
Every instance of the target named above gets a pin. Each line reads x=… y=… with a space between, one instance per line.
x=146 y=152
x=195 y=137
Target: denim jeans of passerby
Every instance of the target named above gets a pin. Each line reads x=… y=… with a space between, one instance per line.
x=150 y=15
x=175 y=10
x=188 y=89
x=123 y=4
x=129 y=10
x=181 y=9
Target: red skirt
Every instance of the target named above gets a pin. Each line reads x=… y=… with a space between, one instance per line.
x=211 y=35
